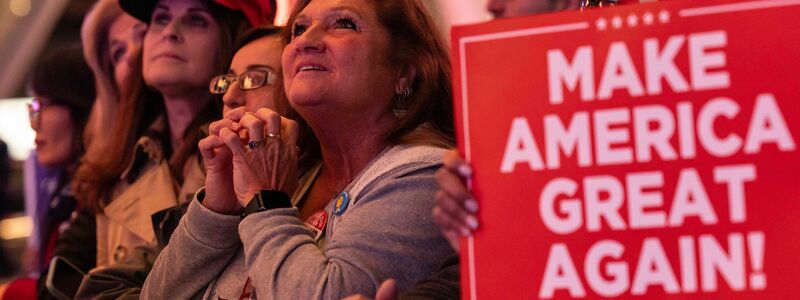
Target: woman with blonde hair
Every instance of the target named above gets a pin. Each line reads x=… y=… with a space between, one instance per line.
x=112 y=43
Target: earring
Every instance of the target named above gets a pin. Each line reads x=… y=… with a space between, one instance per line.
x=399 y=108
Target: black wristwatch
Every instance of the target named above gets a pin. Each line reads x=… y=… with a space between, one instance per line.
x=266 y=200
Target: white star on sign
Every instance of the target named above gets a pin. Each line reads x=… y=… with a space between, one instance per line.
x=616 y=22
x=633 y=20
x=663 y=16
x=647 y=18
x=601 y=24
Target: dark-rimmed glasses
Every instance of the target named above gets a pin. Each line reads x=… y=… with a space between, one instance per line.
x=34 y=112
x=249 y=80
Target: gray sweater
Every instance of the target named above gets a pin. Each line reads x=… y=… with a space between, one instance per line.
x=386 y=232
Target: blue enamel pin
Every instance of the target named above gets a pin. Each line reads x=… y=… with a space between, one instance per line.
x=340 y=204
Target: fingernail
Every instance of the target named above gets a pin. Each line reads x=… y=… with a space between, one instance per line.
x=472 y=222
x=471 y=205
x=465 y=231
x=464 y=170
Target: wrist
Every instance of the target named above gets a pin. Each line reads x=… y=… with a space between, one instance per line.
x=217 y=204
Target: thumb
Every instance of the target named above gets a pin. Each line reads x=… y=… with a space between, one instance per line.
x=387 y=290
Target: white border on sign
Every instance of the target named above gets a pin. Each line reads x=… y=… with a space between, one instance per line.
x=728 y=8
x=463 y=41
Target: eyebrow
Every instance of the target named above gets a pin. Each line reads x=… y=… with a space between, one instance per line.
x=191 y=9
x=253 y=67
x=335 y=10
x=200 y=9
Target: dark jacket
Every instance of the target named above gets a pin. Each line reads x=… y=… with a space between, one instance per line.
x=77 y=245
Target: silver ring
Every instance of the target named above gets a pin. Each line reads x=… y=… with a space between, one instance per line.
x=257 y=144
x=273 y=135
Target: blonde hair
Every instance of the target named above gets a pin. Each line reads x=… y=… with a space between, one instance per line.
x=95 y=41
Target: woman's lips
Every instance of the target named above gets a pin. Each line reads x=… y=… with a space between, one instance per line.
x=312 y=67
x=168 y=55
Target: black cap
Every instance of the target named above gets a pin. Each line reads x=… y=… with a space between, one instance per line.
x=140 y=9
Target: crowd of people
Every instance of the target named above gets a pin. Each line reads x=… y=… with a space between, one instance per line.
x=210 y=154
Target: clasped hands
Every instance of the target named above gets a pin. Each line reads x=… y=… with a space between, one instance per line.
x=247 y=152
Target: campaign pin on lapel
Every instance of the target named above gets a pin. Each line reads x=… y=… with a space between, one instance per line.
x=318 y=220
x=341 y=203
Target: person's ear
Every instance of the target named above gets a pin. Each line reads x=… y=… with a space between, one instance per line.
x=405 y=79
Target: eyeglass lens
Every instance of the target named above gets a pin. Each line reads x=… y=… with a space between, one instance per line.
x=34 y=109
x=247 y=81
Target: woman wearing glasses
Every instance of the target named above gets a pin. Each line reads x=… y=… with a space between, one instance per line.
x=150 y=163
x=371 y=78
x=61 y=108
x=63 y=96
x=173 y=70
x=250 y=80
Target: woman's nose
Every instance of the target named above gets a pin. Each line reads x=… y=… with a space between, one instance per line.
x=172 y=31
x=310 y=41
x=233 y=97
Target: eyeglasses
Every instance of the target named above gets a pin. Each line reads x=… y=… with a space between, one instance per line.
x=249 y=80
x=34 y=111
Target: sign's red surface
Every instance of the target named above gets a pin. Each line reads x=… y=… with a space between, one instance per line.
x=639 y=151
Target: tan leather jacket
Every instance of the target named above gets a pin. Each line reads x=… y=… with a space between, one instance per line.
x=145 y=188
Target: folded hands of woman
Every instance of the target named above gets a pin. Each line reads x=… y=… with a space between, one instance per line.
x=245 y=153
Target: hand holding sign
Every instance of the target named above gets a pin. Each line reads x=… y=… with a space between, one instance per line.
x=640 y=159
x=456 y=208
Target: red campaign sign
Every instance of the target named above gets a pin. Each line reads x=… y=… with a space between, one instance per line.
x=636 y=151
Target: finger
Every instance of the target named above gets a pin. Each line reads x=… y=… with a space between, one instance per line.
x=236 y=114
x=451 y=233
x=216 y=126
x=254 y=126
x=207 y=146
x=233 y=142
x=448 y=224
x=454 y=162
x=387 y=290
x=454 y=208
x=451 y=184
x=272 y=121
x=244 y=134
x=212 y=147
x=233 y=116
x=453 y=238
x=290 y=131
